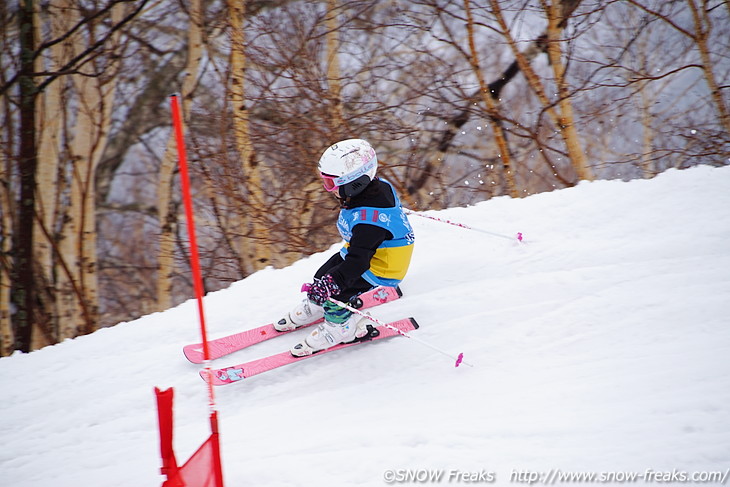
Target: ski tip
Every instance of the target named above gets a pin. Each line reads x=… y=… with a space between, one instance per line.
x=415 y=324
x=399 y=291
x=192 y=354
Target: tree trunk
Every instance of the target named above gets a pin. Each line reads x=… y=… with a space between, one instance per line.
x=24 y=290
x=168 y=226
x=700 y=37
x=49 y=117
x=7 y=337
x=254 y=253
x=566 y=119
x=7 y=211
x=333 y=71
x=167 y=212
x=646 y=101
x=491 y=104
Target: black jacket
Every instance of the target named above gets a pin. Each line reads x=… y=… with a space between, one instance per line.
x=365 y=241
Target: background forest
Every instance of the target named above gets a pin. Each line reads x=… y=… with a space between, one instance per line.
x=463 y=100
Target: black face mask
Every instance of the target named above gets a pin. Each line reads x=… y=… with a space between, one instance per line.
x=354 y=188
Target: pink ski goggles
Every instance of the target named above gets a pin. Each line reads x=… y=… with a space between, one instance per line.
x=331 y=183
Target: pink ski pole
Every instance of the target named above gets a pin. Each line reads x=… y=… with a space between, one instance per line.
x=458 y=359
x=456 y=224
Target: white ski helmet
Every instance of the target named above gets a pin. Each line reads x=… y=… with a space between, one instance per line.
x=348 y=167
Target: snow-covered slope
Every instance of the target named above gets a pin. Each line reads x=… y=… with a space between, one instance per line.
x=600 y=345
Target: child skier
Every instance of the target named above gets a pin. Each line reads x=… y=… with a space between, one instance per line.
x=377 y=251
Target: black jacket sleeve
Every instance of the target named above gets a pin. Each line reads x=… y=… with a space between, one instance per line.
x=364 y=242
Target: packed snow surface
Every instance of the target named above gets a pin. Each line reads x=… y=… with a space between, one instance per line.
x=600 y=345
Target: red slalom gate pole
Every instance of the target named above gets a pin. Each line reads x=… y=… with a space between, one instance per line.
x=197 y=276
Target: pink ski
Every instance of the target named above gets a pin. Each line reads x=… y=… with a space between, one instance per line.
x=236 y=373
x=223 y=346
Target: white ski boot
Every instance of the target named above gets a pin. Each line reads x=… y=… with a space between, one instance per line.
x=305 y=313
x=329 y=334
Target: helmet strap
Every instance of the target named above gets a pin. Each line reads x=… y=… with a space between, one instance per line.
x=344 y=202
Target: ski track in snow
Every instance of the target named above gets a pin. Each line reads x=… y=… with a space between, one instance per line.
x=601 y=344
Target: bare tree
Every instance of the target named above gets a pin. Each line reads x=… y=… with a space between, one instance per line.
x=700 y=36
x=644 y=99
x=76 y=47
x=463 y=101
